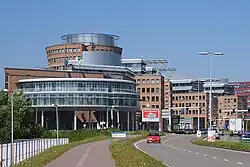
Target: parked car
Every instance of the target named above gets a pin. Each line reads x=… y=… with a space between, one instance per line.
x=245 y=136
x=189 y=131
x=235 y=133
x=153 y=137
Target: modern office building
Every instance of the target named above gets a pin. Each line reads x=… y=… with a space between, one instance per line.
x=94 y=90
x=227 y=108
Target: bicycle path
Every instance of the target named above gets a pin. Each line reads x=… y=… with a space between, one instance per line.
x=95 y=154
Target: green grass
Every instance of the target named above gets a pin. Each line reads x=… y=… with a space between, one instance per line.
x=239 y=146
x=126 y=155
x=76 y=138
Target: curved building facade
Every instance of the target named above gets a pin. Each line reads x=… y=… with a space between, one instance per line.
x=95 y=93
x=92 y=48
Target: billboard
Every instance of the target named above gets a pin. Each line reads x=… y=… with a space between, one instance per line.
x=150 y=115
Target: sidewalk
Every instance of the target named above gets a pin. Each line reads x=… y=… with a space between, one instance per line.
x=96 y=154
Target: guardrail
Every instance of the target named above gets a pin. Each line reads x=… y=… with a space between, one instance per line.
x=119 y=134
x=26 y=149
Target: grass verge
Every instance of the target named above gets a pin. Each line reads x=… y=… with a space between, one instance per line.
x=126 y=155
x=42 y=159
x=239 y=146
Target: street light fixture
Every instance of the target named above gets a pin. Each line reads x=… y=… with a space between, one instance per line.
x=210 y=54
x=57 y=124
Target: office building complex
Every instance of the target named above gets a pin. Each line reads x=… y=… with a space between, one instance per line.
x=85 y=84
x=227 y=108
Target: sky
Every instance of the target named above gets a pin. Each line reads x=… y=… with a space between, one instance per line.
x=175 y=30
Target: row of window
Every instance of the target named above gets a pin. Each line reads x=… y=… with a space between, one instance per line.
x=148 y=81
x=152 y=106
x=83 y=101
x=63 y=51
x=189 y=112
x=180 y=98
x=148 y=90
x=99 y=86
x=63 y=59
x=188 y=104
x=148 y=98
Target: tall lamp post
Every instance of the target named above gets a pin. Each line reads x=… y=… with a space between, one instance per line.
x=12 y=125
x=57 y=124
x=210 y=54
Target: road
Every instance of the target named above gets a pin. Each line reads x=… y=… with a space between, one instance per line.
x=96 y=154
x=177 y=151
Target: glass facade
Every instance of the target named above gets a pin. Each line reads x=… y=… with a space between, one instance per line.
x=81 y=93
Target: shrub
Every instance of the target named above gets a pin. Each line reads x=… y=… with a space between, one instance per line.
x=239 y=146
x=126 y=155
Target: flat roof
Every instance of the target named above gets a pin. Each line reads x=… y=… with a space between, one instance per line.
x=74 y=79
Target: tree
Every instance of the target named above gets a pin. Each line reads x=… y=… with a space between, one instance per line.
x=21 y=111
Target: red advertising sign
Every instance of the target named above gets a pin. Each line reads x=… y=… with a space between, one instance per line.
x=150 y=115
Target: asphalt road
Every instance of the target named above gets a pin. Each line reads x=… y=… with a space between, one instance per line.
x=177 y=151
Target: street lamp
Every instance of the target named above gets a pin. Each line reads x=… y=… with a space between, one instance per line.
x=210 y=54
x=57 y=124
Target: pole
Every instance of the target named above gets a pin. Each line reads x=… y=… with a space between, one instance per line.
x=12 y=129
x=112 y=116
x=169 y=108
x=36 y=115
x=57 y=124
x=198 y=105
x=210 y=92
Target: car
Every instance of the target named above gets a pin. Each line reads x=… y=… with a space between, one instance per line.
x=245 y=137
x=189 y=131
x=235 y=133
x=153 y=138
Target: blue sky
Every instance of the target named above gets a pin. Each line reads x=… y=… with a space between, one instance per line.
x=176 y=30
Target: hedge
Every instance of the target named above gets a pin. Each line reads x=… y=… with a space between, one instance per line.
x=239 y=146
x=126 y=155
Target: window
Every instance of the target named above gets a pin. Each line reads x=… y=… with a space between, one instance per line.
x=157 y=81
x=157 y=106
x=152 y=90
x=143 y=98
x=157 y=98
x=148 y=81
x=152 y=81
x=138 y=81
x=153 y=98
x=148 y=90
x=143 y=81
x=157 y=90
x=153 y=106
x=143 y=90
x=148 y=98
x=138 y=90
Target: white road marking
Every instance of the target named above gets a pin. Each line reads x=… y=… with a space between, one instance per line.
x=239 y=163
x=205 y=155
x=226 y=160
x=178 y=149
x=196 y=153
x=214 y=157
x=184 y=150
x=221 y=149
x=189 y=151
x=85 y=156
x=136 y=146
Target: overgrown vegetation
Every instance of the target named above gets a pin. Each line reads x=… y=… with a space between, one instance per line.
x=239 y=146
x=22 y=128
x=126 y=155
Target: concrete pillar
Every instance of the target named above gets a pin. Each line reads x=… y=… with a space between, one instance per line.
x=118 y=119
x=128 y=121
x=42 y=118
x=107 y=119
x=133 y=120
x=75 y=121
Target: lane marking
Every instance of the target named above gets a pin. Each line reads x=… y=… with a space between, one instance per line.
x=184 y=150
x=144 y=140
x=226 y=160
x=85 y=156
x=214 y=157
x=235 y=151
x=239 y=163
x=189 y=151
x=196 y=153
x=205 y=155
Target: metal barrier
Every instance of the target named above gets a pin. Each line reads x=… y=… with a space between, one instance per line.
x=26 y=149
